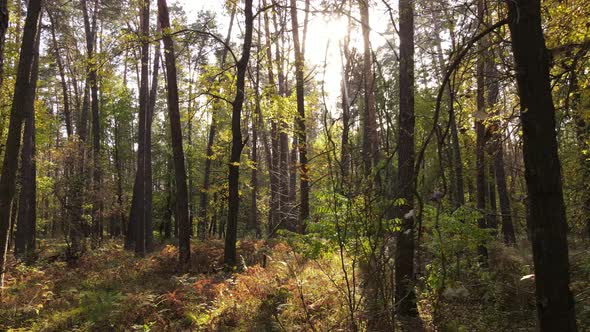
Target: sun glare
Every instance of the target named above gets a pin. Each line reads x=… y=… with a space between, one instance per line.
x=323 y=39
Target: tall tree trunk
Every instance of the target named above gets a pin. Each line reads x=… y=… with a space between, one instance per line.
x=90 y=31
x=301 y=129
x=62 y=76
x=370 y=136
x=139 y=211
x=480 y=140
x=149 y=228
x=204 y=195
x=4 y=18
x=503 y=196
x=119 y=174
x=176 y=133
x=555 y=304
x=17 y=115
x=24 y=244
x=253 y=223
x=237 y=143
x=273 y=215
x=405 y=296
x=496 y=151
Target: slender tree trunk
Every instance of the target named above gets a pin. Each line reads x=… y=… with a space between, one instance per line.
x=301 y=129
x=237 y=143
x=176 y=132
x=370 y=135
x=555 y=304
x=274 y=215
x=254 y=224
x=503 y=196
x=496 y=151
x=17 y=115
x=62 y=76
x=480 y=177
x=119 y=171
x=90 y=31
x=404 y=258
x=203 y=215
x=149 y=228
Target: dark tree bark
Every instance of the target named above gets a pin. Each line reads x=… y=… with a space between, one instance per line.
x=555 y=304
x=204 y=195
x=4 y=18
x=24 y=242
x=405 y=296
x=480 y=139
x=17 y=115
x=90 y=32
x=229 y=256
x=176 y=132
x=301 y=128
x=139 y=201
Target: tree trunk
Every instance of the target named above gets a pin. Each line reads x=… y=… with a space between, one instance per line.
x=62 y=76
x=90 y=32
x=480 y=141
x=149 y=228
x=24 y=244
x=17 y=115
x=503 y=196
x=405 y=296
x=273 y=215
x=555 y=304
x=237 y=143
x=4 y=13
x=139 y=205
x=370 y=136
x=301 y=129
x=204 y=195
x=176 y=133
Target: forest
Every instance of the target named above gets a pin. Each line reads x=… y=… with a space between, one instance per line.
x=295 y=165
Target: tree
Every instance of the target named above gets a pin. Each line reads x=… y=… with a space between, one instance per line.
x=404 y=257
x=24 y=242
x=17 y=114
x=301 y=134
x=3 y=27
x=229 y=256
x=204 y=195
x=92 y=79
x=176 y=133
x=480 y=116
x=370 y=135
x=555 y=304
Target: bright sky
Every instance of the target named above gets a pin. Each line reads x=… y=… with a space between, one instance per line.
x=323 y=32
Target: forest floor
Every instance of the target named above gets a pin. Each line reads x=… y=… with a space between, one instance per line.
x=110 y=289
